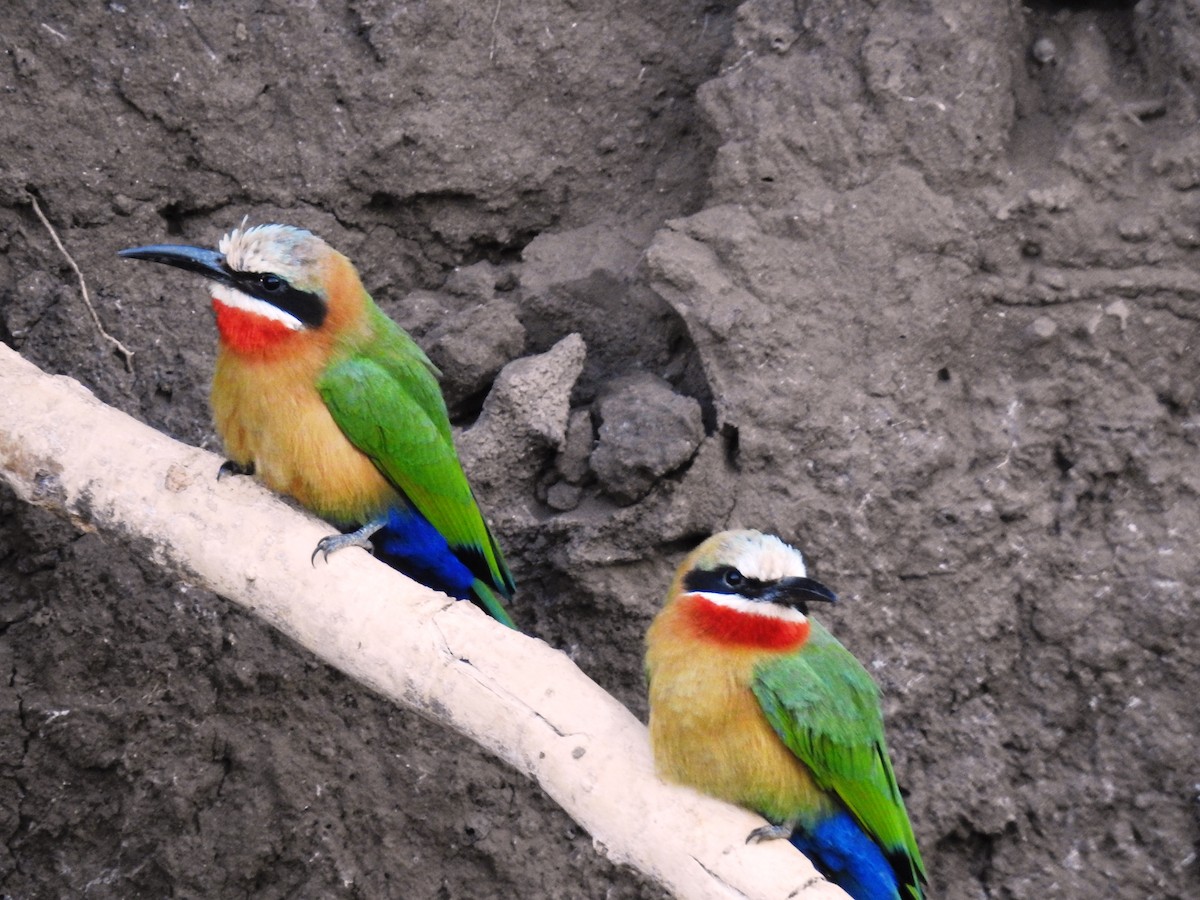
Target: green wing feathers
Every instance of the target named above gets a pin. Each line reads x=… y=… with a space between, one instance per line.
x=825 y=708
x=385 y=398
x=493 y=605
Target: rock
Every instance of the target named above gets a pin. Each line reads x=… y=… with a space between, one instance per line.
x=572 y=460
x=1043 y=328
x=477 y=281
x=563 y=496
x=1044 y=51
x=472 y=347
x=524 y=420
x=646 y=431
x=584 y=281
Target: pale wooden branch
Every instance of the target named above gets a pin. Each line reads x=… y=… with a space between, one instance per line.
x=513 y=695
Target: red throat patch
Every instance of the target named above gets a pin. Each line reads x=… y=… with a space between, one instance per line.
x=248 y=333
x=739 y=629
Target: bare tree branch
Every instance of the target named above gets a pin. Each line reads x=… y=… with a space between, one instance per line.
x=513 y=695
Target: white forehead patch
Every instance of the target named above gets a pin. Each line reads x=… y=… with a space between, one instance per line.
x=765 y=557
x=754 y=608
x=282 y=249
x=231 y=296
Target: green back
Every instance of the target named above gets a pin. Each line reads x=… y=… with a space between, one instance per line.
x=825 y=708
x=384 y=395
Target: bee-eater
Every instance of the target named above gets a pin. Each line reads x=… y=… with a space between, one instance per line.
x=324 y=398
x=752 y=701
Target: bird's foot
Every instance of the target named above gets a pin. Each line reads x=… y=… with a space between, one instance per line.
x=359 y=538
x=229 y=467
x=770 y=833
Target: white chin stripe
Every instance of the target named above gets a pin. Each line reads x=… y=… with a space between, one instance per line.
x=234 y=298
x=754 y=608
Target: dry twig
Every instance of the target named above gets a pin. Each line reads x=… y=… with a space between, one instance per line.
x=126 y=353
x=495 y=18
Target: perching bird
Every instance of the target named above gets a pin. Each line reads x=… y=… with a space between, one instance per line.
x=325 y=399
x=755 y=703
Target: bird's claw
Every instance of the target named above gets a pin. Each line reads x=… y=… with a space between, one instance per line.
x=770 y=833
x=335 y=542
x=229 y=467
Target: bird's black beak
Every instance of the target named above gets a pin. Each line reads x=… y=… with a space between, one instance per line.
x=798 y=593
x=209 y=263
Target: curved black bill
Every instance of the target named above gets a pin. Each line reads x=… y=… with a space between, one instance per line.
x=209 y=263
x=797 y=592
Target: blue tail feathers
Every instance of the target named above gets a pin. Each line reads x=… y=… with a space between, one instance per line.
x=847 y=857
x=409 y=543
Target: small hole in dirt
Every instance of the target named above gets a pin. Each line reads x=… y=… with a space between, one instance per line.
x=1064 y=463
x=172 y=214
x=943 y=374
x=730 y=435
x=383 y=202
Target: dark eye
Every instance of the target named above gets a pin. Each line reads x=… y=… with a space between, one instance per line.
x=272 y=283
x=733 y=578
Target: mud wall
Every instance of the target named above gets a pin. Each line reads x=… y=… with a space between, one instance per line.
x=911 y=284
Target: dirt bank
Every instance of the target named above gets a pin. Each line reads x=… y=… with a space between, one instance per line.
x=911 y=285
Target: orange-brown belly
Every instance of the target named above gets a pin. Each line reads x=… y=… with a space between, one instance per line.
x=273 y=417
x=707 y=731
